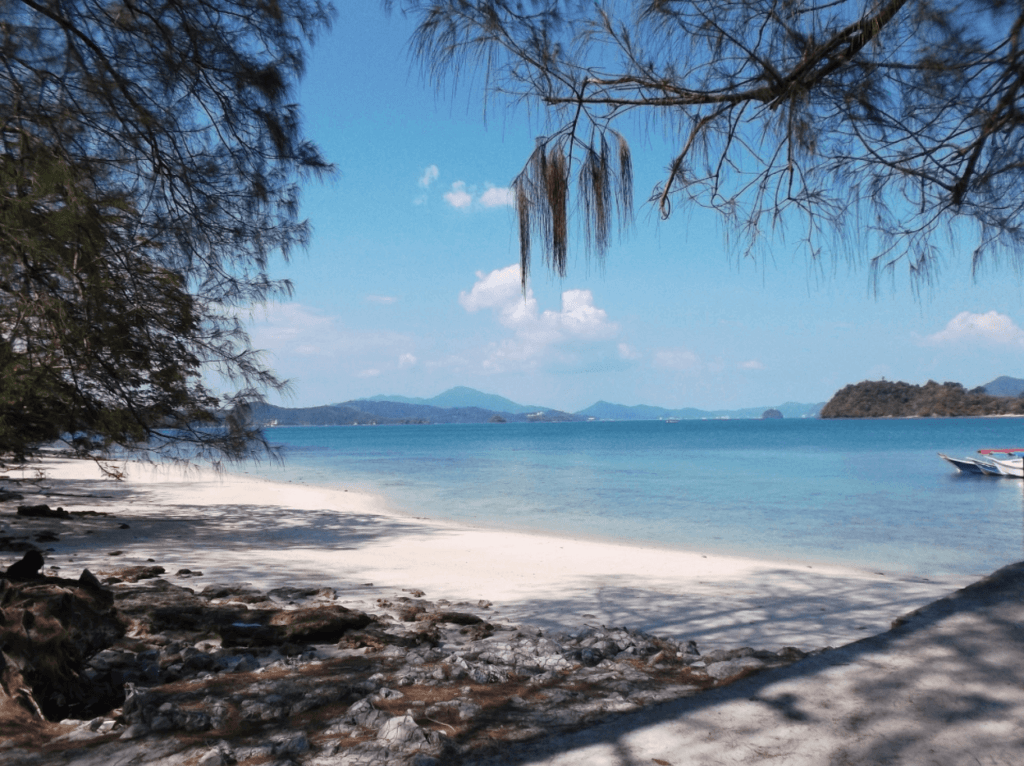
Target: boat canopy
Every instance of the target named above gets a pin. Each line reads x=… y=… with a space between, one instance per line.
x=1000 y=451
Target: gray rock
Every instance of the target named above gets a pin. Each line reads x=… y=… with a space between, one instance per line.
x=295 y=744
x=729 y=668
x=402 y=730
x=135 y=731
x=213 y=758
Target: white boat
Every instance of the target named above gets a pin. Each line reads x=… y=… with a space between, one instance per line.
x=1010 y=464
x=973 y=466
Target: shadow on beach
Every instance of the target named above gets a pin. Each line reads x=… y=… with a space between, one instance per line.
x=943 y=687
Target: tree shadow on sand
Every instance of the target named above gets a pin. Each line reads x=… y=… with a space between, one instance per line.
x=942 y=687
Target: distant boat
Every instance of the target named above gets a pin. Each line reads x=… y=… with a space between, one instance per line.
x=671 y=420
x=972 y=466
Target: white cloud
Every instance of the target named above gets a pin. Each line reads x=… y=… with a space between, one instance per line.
x=678 y=359
x=406 y=360
x=753 y=364
x=991 y=328
x=430 y=174
x=458 y=197
x=495 y=196
x=464 y=197
x=382 y=299
x=292 y=329
x=568 y=338
x=626 y=351
x=368 y=373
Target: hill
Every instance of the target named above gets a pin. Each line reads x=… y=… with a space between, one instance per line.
x=1004 y=386
x=463 y=396
x=607 y=411
x=467 y=405
x=368 y=412
x=895 y=399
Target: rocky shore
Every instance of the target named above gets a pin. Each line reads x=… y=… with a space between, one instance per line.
x=135 y=666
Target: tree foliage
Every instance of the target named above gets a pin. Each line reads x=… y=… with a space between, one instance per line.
x=895 y=399
x=886 y=128
x=149 y=168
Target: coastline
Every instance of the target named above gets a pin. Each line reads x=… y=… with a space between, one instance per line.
x=236 y=528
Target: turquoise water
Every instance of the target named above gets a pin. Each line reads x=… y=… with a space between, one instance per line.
x=866 y=493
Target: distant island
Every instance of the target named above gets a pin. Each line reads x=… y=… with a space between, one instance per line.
x=467 y=405
x=895 y=399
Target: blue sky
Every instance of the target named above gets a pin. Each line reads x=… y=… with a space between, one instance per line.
x=410 y=285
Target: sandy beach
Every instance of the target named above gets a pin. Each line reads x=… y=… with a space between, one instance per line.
x=240 y=529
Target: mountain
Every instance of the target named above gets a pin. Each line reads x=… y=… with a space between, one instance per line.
x=462 y=396
x=1004 y=386
x=467 y=405
x=368 y=412
x=607 y=411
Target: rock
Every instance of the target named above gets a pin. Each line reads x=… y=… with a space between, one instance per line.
x=410 y=613
x=48 y=627
x=296 y=744
x=42 y=512
x=402 y=730
x=242 y=593
x=363 y=713
x=88 y=580
x=135 y=574
x=26 y=569
x=310 y=625
x=319 y=624
x=213 y=758
x=729 y=668
x=456 y=618
x=135 y=731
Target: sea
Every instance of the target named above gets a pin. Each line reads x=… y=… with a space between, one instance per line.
x=871 y=494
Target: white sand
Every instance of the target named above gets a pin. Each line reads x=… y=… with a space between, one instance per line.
x=240 y=529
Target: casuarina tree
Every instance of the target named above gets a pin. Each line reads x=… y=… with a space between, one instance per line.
x=890 y=130
x=149 y=169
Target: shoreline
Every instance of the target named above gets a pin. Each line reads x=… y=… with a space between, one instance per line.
x=390 y=506
x=237 y=528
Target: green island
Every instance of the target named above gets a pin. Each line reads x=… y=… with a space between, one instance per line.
x=895 y=399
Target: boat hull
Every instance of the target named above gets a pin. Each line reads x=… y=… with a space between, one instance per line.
x=1014 y=468
x=973 y=467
